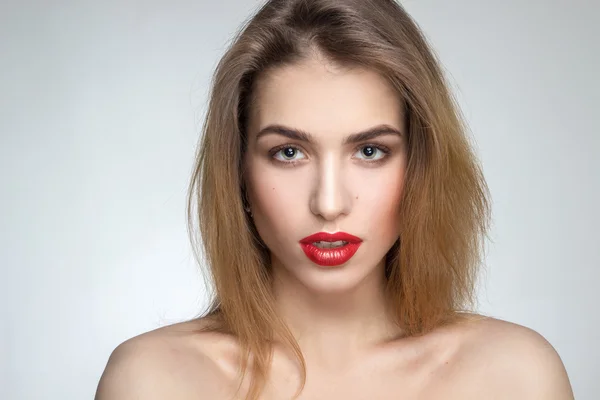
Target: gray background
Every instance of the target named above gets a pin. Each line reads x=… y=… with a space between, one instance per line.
x=100 y=109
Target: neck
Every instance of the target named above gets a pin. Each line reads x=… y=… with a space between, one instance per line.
x=334 y=327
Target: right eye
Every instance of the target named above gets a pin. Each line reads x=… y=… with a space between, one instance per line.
x=287 y=154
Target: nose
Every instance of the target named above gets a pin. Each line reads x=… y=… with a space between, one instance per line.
x=330 y=197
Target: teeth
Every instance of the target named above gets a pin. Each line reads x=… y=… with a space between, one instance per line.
x=330 y=245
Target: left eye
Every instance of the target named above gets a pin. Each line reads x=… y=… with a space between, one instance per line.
x=370 y=151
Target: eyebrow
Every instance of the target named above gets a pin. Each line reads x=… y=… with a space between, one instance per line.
x=300 y=135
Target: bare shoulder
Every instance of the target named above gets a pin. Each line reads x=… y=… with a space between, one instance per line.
x=512 y=361
x=170 y=362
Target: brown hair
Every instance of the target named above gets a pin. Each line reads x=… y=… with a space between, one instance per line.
x=445 y=206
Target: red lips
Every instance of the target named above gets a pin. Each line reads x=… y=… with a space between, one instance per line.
x=334 y=256
x=330 y=237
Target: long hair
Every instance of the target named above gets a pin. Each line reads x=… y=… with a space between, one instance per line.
x=445 y=206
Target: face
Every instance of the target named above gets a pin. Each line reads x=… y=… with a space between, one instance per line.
x=307 y=171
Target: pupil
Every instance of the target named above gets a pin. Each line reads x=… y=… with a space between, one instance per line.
x=368 y=151
x=289 y=152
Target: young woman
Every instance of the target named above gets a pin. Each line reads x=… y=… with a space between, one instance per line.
x=342 y=213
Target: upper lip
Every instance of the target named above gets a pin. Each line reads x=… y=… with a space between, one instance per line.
x=331 y=237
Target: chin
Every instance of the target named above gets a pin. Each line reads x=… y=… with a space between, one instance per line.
x=334 y=280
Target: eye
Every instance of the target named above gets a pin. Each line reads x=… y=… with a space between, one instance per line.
x=370 y=152
x=287 y=154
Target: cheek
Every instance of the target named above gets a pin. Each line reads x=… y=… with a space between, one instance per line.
x=378 y=203
x=274 y=197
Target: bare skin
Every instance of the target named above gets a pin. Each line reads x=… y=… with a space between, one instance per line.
x=481 y=359
x=338 y=315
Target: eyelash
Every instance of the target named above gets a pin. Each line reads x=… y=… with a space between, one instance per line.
x=384 y=149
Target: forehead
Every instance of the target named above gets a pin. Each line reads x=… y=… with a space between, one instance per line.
x=319 y=97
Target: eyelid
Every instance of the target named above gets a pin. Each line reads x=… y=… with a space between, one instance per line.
x=277 y=149
x=379 y=146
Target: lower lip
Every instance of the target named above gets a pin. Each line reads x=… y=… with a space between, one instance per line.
x=330 y=257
